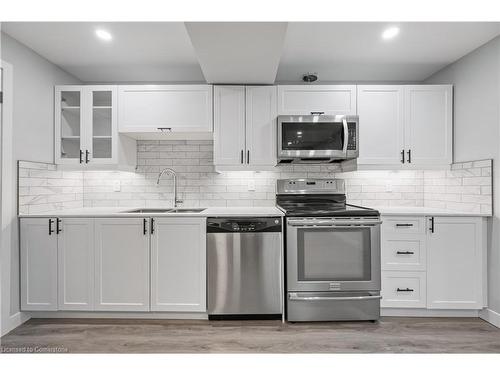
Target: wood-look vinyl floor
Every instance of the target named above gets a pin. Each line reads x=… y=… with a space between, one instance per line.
x=390 y=335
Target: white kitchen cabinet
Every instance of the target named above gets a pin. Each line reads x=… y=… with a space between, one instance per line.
x=153 y=109
x=245 y=127
x=405 y=126
x=86 y=130
x=310 y=99
x=178 y=263
x=428 y=124
x=75 y=243
x=433 y=262
x=122 y=264
x=381 y=131
x=38 y=245
x=229 y=125
x=455 y=268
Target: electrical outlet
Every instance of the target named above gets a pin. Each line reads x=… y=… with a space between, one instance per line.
x=251 y=185
x=388 y=186
x=117 y=185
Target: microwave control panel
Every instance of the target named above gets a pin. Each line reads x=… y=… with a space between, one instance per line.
x=351 y=127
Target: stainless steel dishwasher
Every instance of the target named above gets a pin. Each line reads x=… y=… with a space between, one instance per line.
x=244 y=268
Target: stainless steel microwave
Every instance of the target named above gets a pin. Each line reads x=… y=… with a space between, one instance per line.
x=317 y=138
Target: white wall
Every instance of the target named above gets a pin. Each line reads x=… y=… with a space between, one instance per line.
x=476 y=80
x=33 y=86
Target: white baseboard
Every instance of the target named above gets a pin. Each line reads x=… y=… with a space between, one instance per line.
x=14 y=321
x=117 y=315
x=490 y=316
x=429 y=313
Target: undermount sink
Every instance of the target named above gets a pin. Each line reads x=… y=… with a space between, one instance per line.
x=165 y=210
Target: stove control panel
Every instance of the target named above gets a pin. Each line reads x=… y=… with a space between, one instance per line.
x=310 y=186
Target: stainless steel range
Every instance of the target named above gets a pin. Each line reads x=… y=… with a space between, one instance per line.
x=332 y=252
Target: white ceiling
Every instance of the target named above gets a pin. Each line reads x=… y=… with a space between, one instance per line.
x=139 y=51
x=355 y=51
x=164 y=52
x=232 y=52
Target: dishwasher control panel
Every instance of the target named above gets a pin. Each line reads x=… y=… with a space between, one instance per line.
x=244 y=225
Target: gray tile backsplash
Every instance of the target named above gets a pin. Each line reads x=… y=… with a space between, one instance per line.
x=42 y=187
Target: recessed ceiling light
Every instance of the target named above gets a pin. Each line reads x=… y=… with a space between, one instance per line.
x=103 y=35
x=390 y=32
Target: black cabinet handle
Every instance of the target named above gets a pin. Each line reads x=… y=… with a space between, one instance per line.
x=404 y=252
x=404 y=290
x=241 y=156
x=50 y=227
x=152 y=226
x=81 y=156
x=404 y=225
x=432 y=225
x=409 y=156
x=402 y=156
x=163 y=129
x=87 y=156
x=58 y=226
x=248 y=156
x=317 y=113
x=144 y=226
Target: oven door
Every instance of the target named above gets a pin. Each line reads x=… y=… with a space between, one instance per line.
x=325 y=254
x=317 y=136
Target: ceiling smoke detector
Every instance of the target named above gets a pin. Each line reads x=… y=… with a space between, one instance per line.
x=310 y=77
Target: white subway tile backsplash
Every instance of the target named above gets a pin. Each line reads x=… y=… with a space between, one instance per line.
x=465 y=186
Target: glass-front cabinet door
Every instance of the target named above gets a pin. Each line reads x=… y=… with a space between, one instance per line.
x=102 y=128
x=69 y=129
x=85 y=125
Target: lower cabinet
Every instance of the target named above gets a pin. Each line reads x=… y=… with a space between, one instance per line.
x=38 y=264
x=433 y=262
x=455 y=266
x=75 y=266
x=122 y=264
x=109 y=264
x=178 y=264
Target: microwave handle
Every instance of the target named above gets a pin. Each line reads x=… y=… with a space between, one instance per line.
x=346 y=136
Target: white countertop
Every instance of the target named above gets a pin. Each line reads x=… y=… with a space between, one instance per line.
x=423 y=211
x=121 y=212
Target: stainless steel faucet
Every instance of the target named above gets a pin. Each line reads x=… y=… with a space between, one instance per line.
x=172 y=173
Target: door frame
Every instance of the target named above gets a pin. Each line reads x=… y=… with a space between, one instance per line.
x=8 y=189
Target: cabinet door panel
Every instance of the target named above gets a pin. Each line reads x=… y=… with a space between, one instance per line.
x=183 y=108
x=102 y=129
x=229 y=125
x=69 y=116
x=38 y=265
x=178 y=253
x=304 y=99
x=403 y=289
x=261 y=125
x=428 y=124
x=122 y=265
x=381 y=124
x=76 y=264
x=455 y=258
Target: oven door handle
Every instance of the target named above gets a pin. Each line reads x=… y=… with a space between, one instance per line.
x=332 y=224
x=346 y=136
x=295 y=297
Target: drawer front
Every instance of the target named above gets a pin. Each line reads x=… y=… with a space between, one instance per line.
x=403 y=254
x=403 y=289
x=396 y=225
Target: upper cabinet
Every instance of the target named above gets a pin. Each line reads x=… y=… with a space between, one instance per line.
x=244 y=127
x=146 y=110
x=86 y=131
x=405 y=126
x=322 y=99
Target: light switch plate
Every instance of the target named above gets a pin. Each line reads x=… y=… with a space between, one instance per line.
x=117 y=185
x=251 y=185
x=388 y=186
